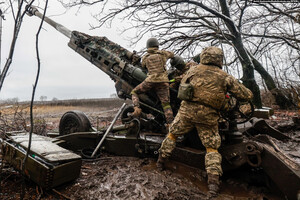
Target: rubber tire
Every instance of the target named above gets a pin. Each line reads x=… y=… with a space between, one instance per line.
x=74 y=121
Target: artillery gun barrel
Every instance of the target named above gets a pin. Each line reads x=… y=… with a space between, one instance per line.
x=34 y=11
x=120 y=64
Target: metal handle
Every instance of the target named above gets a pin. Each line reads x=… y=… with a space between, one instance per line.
x=109 y=128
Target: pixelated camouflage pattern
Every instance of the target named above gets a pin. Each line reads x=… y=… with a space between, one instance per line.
x=168 y=114
x=167 y=146
x=155 y=62
x=162 y=91
x=211 y=84
x=179 y=74
x=135 y=99
x=205 y=119
x=212 y=56
x=213 y=162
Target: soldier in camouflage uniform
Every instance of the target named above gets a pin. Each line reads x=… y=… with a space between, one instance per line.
x=210 y=84
x=157 y=79
x=181 y=69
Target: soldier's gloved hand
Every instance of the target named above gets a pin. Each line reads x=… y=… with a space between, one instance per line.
x=135 y=58
x=226 y=105
x=137 y=112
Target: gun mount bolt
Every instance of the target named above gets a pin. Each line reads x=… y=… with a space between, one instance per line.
x=233 y=154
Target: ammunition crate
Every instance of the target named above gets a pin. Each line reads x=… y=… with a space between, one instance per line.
x=48 y=164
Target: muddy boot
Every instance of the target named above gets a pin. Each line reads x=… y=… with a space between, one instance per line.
x=213 y=186
x=137 y=112
x=160 y=163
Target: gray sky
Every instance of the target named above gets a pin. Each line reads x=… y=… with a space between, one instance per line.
x=64 y=73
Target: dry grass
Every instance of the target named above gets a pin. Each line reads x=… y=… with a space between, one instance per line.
x=47 y=115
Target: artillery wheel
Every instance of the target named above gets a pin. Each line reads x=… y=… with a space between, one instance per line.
x=74 y=121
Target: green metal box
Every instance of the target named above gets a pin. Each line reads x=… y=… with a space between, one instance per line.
x=48 y=164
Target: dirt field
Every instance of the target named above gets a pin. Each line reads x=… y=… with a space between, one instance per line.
x=116 y=177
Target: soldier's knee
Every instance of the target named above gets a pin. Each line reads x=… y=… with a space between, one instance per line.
x=210 y=150
x=172 y=137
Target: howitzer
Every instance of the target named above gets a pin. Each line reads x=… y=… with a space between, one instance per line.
x=249 y=146
x=120 y=64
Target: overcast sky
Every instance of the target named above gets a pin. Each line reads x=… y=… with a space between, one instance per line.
x=64 y=73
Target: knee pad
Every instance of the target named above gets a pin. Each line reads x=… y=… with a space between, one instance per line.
x=171 y=136
x=210 y=150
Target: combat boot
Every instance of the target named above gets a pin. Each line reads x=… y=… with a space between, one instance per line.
x=160 y=163
x=137 y=112
x=213 y=185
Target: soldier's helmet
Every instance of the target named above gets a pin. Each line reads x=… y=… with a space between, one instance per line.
x=212 y=56
x=152 y=42
x=196 y=58
x=177 y=62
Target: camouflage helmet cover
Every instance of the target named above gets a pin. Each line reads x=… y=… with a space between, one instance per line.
x=152 y=42
x=177 y=62
x=212 y=56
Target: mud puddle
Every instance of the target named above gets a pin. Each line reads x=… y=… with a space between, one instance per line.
x=115 y=177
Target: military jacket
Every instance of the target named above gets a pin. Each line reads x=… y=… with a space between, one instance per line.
x=179 y=74
x=155 y=62
x=210 y=84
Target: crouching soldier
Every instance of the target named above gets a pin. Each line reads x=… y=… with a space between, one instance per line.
x=200 y=108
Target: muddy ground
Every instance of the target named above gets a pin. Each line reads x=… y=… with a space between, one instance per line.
x=116 y=177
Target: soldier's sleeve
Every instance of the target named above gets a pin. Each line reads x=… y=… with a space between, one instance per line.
x=168 y=54
x=144 y=61
x=190 y=65
x=237 y=89
x=186 y=76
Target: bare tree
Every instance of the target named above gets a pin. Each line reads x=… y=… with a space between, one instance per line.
x=43 y=98
x=257 y=36
x=1 y=18
x=22 y=7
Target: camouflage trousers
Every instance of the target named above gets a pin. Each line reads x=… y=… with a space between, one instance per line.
x=162 y=91
x=207 y=132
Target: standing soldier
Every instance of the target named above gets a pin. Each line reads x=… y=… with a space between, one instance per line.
x=157 y=79
x=200 y=109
